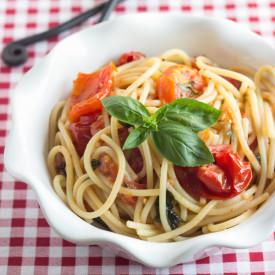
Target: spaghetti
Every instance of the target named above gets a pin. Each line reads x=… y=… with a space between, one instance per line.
x=140 y=193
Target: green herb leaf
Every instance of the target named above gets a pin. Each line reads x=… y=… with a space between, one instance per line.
x=172 y=127
x=181 y=145
x=191 y=113
x=161 y=113
x=136 y=137
x=126 y=109
x=172 y=217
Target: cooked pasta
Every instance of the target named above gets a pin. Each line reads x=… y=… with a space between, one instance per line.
x=139 y=192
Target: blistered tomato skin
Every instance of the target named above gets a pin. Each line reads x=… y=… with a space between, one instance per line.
x=180 y=81
x=89 y=90
x=86 y=107
x=213 y=178
x=238 y=172
x=227 y=177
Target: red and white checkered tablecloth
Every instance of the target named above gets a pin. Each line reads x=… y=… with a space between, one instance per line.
x=27 y=244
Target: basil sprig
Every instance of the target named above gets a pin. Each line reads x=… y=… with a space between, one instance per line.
x=173 y=127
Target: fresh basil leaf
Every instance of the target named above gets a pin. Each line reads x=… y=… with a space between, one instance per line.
x=161 y=113
x=181 y=145
x=126 y=109
x=136 y=137
x=192 y=113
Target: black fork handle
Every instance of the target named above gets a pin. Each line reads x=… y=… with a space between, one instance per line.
x=15 y=53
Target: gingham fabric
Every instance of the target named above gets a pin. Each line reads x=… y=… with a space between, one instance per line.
x=27 y=244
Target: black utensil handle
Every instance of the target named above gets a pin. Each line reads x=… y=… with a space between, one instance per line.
x=15 y=53
x=107 y=9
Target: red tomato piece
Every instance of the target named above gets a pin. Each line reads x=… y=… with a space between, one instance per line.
x=128 y=199
x=86 y=107
x=254 y=144
x=234 y=82
x=129 y=57
x=81 y=131
x=107 y=166
x=190 y=183
x=227 y=177
x=96 y=126
x=134 y=159
x=134 y=185
x=88 y=90
x=213 y=178
x=180 y=81
x=238 y=172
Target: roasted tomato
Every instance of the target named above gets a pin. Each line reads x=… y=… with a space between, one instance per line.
x=135 y=185
x=109 y=169
x=84 y=129
x=88 y=90
x=107 y=166
x=213 y=177
x=180 y=81
x=129 y=57
x=227 y=177
x=128 y=199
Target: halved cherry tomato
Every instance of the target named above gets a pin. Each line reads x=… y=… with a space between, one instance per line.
x=180 y=81
x=227 y=177
x=129 y=57
x=84 y=129
x=88 y=91
x=213 y=177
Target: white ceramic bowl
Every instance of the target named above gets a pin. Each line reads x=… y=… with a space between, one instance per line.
x=223 y=41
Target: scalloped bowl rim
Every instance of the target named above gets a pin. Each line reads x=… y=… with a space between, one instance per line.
x=36 y=82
